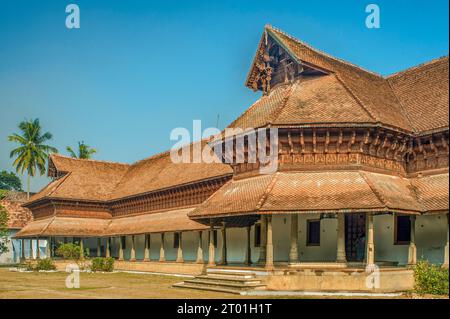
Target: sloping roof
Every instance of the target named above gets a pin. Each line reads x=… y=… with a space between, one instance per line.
x=18 y=216
x=102 y=181
x=167 y=221
x=333 y=191
x=170 y=221
x=432 y=191
x=363 y=96
x=84 y=179
x=423 y=92
x=65 y=226
x=160 y=172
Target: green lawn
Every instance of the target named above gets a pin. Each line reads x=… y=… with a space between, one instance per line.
x=99 y=285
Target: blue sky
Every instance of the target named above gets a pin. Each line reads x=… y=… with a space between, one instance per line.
x=137 y=69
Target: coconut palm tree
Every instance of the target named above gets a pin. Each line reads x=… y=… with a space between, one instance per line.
x=32 y=153
x=84 y=151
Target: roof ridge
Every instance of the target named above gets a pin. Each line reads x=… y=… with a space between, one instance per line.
x=374 y=190
x=402 y=107
x=47 y=226
x=276 y=114
x=63 y=179
x=357 y=99
x=253 y=106
x=87 y=159
x=270 y=27
x=152 y=157
x=415 y=67
x=267 y=191
x=167 y=152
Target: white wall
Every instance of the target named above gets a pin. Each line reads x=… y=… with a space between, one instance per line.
x=431 y=234
x=431 y=237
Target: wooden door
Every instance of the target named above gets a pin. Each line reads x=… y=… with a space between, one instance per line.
x=355 y=232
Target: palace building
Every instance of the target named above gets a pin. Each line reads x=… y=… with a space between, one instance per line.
x=360 y=193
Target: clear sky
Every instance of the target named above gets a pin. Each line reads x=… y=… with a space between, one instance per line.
x=137 y=69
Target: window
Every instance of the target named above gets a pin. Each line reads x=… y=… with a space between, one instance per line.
x=402 y=228
x=313 y=232
x=124 y=242
x=176 y=240
x=258 y=235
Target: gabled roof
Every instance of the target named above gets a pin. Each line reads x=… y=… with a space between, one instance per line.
x=357 y=91
x=423 y=93
x=93 y=180
x=83 y=179
x=159 y=172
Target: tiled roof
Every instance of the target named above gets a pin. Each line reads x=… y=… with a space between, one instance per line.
x=168 y=221
x=84 y=179
x=159 y=172
x=101 y=181
x=432 y=191
x=350 y=94
x=423 y=92
x=18 y=216
x=333 y=191
x=64 y=226
x=321 y=100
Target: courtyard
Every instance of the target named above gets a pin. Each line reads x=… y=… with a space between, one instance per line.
x=120 y=285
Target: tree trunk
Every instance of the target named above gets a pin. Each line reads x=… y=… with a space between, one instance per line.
x=28 y=186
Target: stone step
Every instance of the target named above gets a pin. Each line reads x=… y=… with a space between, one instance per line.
x=225 y=284
x=225 y=273
x=229 y=279
x=207 y=288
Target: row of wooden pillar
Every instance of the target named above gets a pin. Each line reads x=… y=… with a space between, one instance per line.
x=266 y=245
x=162 y=256
x=370 y=244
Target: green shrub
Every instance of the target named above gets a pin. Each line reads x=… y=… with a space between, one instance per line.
x=45 y=264
x=102 y=264
x=69 y=251
x=430 y=279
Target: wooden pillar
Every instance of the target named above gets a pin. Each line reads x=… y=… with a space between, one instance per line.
x=269 y=243
x=199 y=259
x=38 y=251
x=248 y=252
x=121 y=240
x=370 y=245
x=22 y=253
x=147 y=248
x=293 y=252
x=108 y=247
x=341 y=254
x=262 y=246
x=81 y=249
x=99 y=243
x=48 y=248
x=223 y=259
x=133 y=249
x=445 y=264
x=180 y=248
x=412 y=250
x=162 y=256
x=31 y=249
x=211 y=250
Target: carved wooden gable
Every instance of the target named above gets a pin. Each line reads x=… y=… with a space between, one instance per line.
x=274 y=65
